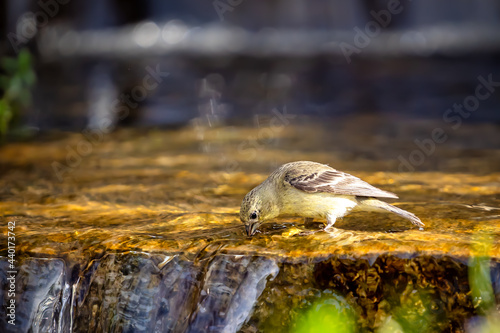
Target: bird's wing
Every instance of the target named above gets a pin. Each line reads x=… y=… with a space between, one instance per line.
x=333 y=181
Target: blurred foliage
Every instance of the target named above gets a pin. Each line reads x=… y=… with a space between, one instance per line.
x=479 y=274
x=481 y=286
x=16 y=81
x=328 y=314
x=417 y=313
x=391 y=326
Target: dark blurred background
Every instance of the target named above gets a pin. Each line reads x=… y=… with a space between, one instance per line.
x=161 y=63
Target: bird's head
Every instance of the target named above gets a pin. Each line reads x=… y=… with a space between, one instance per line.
x=257 y=207
x=251 y=211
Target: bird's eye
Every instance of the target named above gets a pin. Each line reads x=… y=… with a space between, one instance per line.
x=253 y=216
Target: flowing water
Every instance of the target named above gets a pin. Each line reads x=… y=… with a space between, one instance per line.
x=138 y=230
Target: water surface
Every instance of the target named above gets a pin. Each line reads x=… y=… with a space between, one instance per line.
x=166 y=202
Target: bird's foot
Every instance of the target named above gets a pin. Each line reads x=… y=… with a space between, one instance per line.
x=331 y=230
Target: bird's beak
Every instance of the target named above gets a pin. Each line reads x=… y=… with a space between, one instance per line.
x=251 y=228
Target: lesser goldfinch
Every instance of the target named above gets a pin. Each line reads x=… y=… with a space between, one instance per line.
x=313 y=191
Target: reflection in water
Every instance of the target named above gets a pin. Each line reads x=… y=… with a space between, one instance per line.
x=143 y=234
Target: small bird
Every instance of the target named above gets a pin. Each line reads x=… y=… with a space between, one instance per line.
x=313 y=191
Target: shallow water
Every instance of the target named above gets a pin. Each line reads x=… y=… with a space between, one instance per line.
x=151 y=217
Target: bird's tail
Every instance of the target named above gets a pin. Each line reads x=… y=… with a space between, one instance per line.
x=381 y=206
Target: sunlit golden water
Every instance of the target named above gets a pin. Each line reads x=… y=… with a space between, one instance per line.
x=159 y=191
x=171 y=192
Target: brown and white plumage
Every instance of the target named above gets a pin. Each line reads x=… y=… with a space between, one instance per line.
x=314 y=191
x=314 y=177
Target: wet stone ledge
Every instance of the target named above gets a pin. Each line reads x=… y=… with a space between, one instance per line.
x=137 y=292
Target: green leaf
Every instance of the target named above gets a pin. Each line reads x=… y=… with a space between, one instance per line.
x=5 y=116
x=29 y=78
x=24 y=61
x=14 y=89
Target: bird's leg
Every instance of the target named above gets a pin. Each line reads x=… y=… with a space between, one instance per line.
x=330 y=221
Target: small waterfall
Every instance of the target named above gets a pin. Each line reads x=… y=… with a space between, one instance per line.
x=129 y=292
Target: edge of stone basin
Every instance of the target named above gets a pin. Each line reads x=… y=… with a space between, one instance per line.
x=229 y=274
x=162 y=257
x=287 y=250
